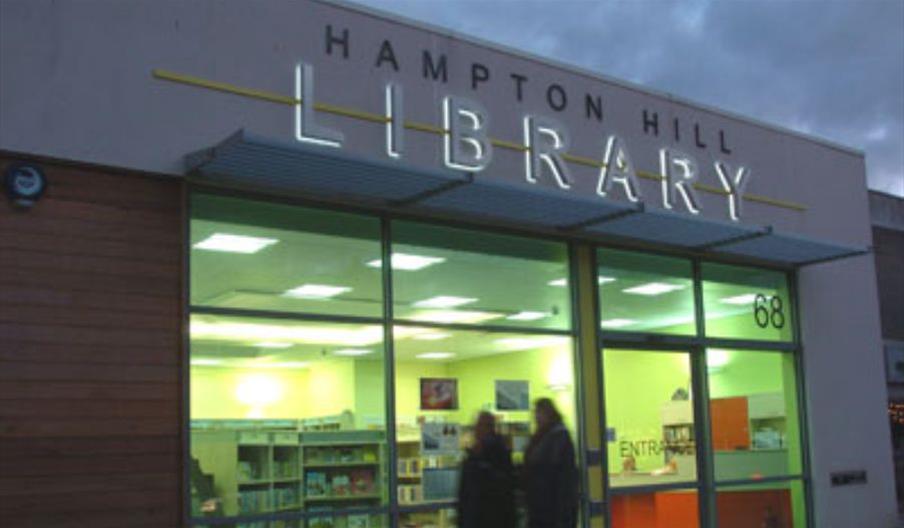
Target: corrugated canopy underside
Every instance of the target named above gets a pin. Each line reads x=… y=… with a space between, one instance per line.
x=245 y=161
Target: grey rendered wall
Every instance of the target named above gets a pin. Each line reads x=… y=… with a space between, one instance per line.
x=846 y=394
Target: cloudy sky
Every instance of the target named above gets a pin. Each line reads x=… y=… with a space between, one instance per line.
x=831 y=68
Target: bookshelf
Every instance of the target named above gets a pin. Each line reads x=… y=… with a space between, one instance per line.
x=266 y=467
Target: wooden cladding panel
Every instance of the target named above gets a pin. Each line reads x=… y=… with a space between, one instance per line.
x=90 y=352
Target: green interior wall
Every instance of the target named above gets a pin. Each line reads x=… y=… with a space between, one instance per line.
x=549 y=373
x=637 y=385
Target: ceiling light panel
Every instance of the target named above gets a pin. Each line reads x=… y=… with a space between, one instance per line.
x=654 y=288
x=444 y=301
x=234 y=243
x=435 y=355
x=408 y=262
x=527 y=316
x=316 y=291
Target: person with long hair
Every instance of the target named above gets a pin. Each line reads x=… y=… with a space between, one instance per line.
x=486 y=497
x=550 y=472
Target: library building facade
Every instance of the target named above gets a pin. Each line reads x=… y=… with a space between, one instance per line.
x=264 y=263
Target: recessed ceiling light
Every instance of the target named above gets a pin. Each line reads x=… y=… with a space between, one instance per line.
x=558 y=282
x=205 y=362
x=316 y=291
x=353 y=352
x=604 y=280
x=272 y=344
x=444 y=301
x=527 y=316
x=617 y=323
x=654 y=288
x=747 y=298
x=431 y=336
x=234 y=243
x=454 y=316
x=407 y=262
x=435 y=355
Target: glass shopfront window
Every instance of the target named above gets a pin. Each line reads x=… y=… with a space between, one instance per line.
x=444 y=275
x=746 y=303
x=650 y=418
x=640 y=292
x=448 y=372
x=287 y=401
x=289 y=388
x=753 y=414
x=281 y=258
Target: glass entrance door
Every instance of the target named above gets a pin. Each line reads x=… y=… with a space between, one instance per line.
x=651 y=438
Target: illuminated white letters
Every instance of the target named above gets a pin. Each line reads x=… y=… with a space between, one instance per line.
x=679 y=173
x=617 y=168
x=306 y=128
x=734 y=185
x=395 y=121
x=466 y=144
x=545 y=140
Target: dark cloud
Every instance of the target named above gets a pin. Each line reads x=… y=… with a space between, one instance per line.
x=831 y=68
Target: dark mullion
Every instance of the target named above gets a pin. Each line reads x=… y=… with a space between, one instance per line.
x=601 y=389
x=764 y=480
x=577 y=282
x=500 y=329
x=389 y=369
x=653 y=488
x=288 y=316
x=702 y=426
x=803 y=421
x=185 y=360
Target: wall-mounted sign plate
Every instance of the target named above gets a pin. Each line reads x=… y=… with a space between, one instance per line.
x=25 y=184
x=848 y=478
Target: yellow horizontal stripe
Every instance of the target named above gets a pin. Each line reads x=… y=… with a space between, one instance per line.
x=423 y=127
x=710 y=189
x=649 y=175
x=427 y=128
x=501 y=143
x=350 y=112
x=580 y=160
x=775 y=202
x=223 y=87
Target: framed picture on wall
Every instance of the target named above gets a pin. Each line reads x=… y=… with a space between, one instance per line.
x=512 y=395
x=439 y=394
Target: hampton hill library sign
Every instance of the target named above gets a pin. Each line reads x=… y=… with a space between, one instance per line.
x=467 y=125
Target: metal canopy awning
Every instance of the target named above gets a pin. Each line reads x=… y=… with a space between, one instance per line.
x=249 y=161
x=246 y=161
x=788 y=249
x=550 y=208
x=665 y=227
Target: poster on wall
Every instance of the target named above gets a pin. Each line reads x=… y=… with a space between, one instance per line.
x=440 y=439
x=439 y=394
x=512 y=395
x=895 y=357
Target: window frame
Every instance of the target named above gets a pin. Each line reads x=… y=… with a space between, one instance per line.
x=583 y=272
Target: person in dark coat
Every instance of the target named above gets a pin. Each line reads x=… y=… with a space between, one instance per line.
x=486 y=496
x=550 y=472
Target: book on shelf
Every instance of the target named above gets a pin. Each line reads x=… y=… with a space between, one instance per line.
x=327 y=521
x=341 y=484
x=362 y=481
x=358 y=521
x=316 y=484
